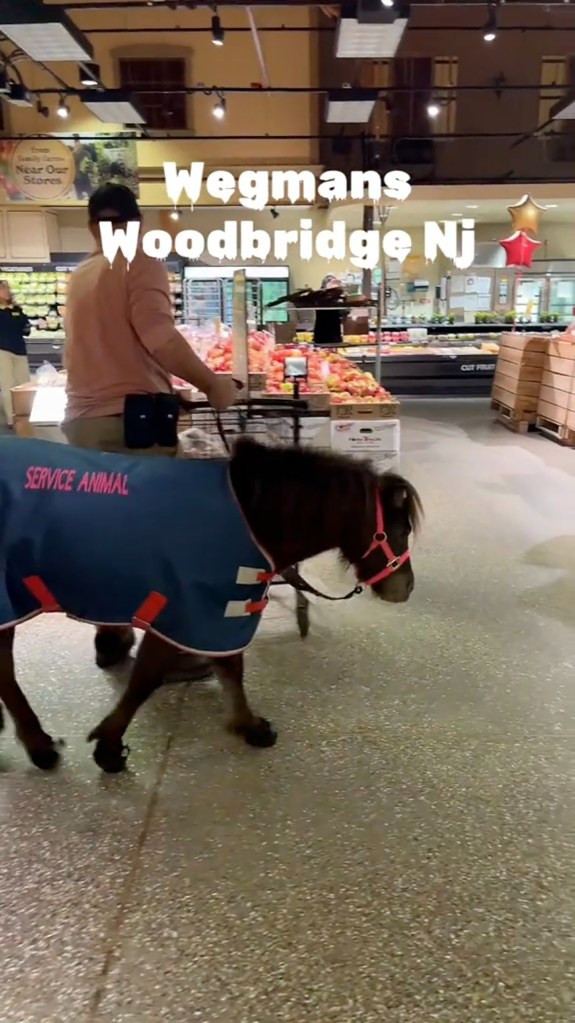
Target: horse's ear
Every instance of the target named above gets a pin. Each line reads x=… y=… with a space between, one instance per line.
x=399 y=497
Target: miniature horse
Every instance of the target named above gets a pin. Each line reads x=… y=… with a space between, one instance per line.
x=296 y=503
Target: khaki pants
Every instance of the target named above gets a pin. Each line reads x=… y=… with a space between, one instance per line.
x=106 y=433
x=14 y=370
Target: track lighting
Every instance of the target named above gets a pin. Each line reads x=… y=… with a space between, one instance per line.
x=63 y=110
x=175 y=215
x=388 y=3
x=217 y=31
x=490 y=29
x=433 y=108
x=219 y=109
x=90 y=75
x=274 y=213
x=42 y=110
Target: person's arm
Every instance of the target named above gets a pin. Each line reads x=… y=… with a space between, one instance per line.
x=152 y=319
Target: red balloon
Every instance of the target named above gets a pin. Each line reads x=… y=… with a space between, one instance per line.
x=519 y=249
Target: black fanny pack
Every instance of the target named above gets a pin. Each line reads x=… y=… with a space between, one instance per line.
x=151 y=419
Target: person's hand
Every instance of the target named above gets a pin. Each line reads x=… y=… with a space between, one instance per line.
x=222 y=392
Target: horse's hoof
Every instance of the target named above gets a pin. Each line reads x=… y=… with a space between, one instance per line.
x=111 y=758
x=45 y=759
x=259 y=734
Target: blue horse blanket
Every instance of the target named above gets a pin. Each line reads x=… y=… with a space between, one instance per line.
x=158 y=543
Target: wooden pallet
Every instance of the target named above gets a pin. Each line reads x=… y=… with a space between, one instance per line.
x=555 y=431
x=511 y=419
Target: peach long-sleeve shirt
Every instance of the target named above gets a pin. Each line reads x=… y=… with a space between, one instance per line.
x=118 y=321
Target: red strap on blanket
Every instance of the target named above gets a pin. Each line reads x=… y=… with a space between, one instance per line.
x=39 y=590
x=256 y=607
x=265 y=577
x=149 y=610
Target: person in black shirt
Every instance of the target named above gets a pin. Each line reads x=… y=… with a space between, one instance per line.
x=328 y=329
x=14 y=329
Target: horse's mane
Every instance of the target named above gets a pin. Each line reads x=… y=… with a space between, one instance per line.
x=335 y=475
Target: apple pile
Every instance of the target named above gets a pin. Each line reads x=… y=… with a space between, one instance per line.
x=326 y=372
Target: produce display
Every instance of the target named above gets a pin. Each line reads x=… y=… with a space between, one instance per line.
x=41 y=293
x=41 y=296
x=326 y=372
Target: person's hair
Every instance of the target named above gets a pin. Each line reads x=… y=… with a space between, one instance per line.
x=113 y=201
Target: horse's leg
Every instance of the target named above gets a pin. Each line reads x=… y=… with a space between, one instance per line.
x=255 y=730
x=39 y=746
x=155 y=657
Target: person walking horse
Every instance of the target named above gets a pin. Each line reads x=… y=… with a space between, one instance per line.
x=121 y=339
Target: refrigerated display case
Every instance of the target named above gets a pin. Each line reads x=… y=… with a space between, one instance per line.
x=208 y=294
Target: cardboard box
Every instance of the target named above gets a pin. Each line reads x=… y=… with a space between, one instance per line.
x=359 y=410
x=23 y=398
x=561 y=349
x=518 y=371
x=556 y=415
x=558 y=381
x=524 y=405
x=556 y=364
x=523 y=358
x=22 y=426
x=376 y=441
x=523 y=388
x=524 y=342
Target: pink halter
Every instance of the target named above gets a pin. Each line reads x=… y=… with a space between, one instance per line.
x=380 y=542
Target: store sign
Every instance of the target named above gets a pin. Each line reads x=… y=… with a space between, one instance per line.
x=65 y=168
x=38 y=169
x=245 y=242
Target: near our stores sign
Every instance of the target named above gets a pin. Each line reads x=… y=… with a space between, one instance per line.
x=66 y=168
x=41 y=170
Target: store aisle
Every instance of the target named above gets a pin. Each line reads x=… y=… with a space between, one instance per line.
x=405 y=853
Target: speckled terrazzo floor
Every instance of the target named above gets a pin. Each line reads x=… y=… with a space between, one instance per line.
x=404 y=855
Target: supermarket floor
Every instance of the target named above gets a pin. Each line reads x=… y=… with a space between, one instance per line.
x=405 y=854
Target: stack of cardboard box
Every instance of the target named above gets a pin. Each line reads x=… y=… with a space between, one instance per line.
x=518 y=378
x=556 y=406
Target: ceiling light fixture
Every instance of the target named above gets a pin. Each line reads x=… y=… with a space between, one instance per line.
x=369 y=30
x=219 y=109
x=388 y=3
x=43 y=33
x=433 y=108
x=218 y=33
x=350 y=106
x=63 y=110
x=175 y=215
x=90 y=75
x=490 y=29
x=18 y=95
x=112 y=106
x=41 y=109
x=470 y=207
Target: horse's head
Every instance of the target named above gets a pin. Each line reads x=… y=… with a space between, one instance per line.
x=381 y=555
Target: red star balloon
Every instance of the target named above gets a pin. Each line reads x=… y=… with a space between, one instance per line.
x=519 y=249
